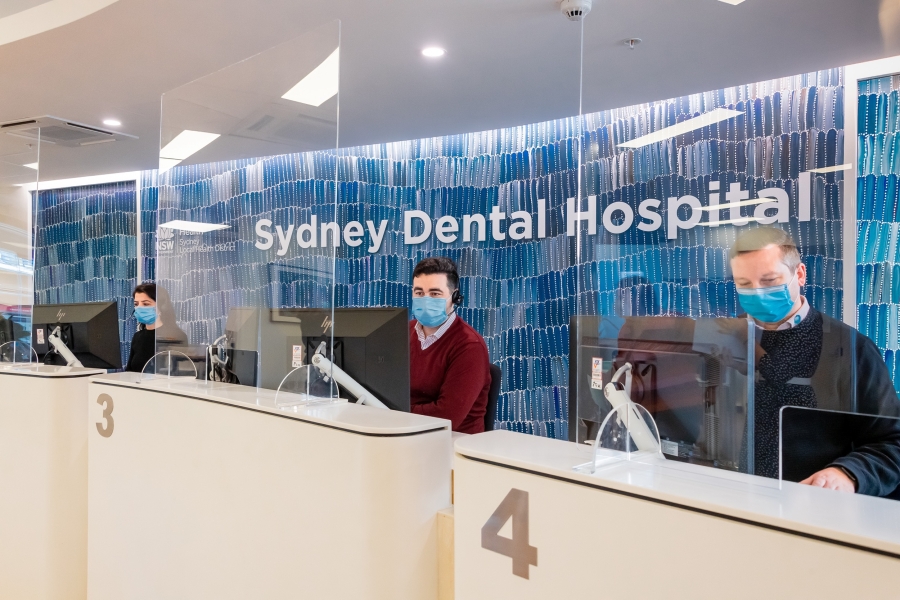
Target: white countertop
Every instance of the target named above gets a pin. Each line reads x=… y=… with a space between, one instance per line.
x=341 y=414
x=848 y=518
x=41 y=370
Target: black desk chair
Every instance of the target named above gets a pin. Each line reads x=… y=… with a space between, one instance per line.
x=493 y=395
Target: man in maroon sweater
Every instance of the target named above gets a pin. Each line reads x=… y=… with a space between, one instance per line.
x=449 y=373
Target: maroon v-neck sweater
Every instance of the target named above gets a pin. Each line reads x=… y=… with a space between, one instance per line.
x=451 y=378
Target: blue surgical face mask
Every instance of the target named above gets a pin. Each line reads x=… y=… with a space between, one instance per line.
x=768 y=304
x=146 y=315
x=428 y=311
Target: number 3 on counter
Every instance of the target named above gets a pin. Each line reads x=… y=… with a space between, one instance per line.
x=106 y=401
x=514 y=506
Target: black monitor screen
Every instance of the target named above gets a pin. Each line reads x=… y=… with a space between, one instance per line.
x=370 y=344
x=90 y=330
x=696 y=398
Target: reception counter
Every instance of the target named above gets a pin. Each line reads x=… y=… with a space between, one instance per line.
x=43 y=481
x=530 y=522
x=210 y=490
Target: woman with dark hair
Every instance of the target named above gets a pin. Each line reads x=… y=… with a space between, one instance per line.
x=143 y=344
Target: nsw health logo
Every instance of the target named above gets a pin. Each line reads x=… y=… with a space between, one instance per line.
x=165 y=240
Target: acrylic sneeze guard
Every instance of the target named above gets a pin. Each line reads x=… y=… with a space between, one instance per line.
x=665 y=188
x=19 y=177
x=243 y=241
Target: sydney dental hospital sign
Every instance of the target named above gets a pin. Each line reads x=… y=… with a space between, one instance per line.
x=732 y=206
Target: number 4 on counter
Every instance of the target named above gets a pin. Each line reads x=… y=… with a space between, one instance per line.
x=515 y=507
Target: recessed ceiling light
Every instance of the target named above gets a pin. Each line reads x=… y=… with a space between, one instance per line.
x=320 y=84
x=112 y=122
x=732 y=2
x=433 y=52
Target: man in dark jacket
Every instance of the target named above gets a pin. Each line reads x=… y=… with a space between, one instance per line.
x=807 y=359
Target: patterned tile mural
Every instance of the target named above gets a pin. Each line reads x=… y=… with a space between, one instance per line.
x=786 y=127
x=86 y=250
x=148 y=223
x=878 y=254
x=496 y=202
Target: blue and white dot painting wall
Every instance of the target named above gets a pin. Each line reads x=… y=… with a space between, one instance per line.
x=674 y=260
x=85 y=249
x=533 y=247
x=878 y=218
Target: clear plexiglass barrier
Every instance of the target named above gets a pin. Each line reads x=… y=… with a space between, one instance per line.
x=247 y=219
x=19 y=178
x=170 y=363
x=17 y=352
x=666 y=387
x=826 y=409
x=627 y=430
x=306 y=385
x=831 y=417
x=848 y=451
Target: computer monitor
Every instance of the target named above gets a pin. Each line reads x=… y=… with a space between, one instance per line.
x=370 y=344
x=90 y=330
x=697 y=398
x=6 y=330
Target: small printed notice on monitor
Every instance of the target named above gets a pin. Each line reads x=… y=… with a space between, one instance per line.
x=40 y=335
x=296 y=356
x=596 y=373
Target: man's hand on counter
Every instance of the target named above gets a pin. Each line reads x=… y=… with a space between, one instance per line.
x=831 y=478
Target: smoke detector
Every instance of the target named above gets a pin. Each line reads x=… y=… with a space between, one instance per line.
x=575 y=10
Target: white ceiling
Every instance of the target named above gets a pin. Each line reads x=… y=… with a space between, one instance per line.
x=508 y=62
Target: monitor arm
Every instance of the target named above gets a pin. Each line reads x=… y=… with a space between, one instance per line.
x=634 y=421
x=363 y=396
x=56 y=341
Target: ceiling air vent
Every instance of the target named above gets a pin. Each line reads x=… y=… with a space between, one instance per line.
x=52 y=130
x=17 y=123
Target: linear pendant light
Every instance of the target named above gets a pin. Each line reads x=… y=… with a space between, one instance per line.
x=834 y=169
x=713 y=116
x=320 y=85
x=192 y=226
x=183 y=145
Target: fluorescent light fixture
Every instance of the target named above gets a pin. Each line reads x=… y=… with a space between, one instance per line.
x=192 y=226
x=732 y=2
x=433 y=52
x=33 y=165
x=56 y=184
x=844 y=167
x=728 y=205
x=167 y=163
x=713 y=116
x=187 y=143
x=320 y=85
x=183 y=145
x=112 y=122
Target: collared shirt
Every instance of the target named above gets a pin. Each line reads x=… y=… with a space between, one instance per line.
x=431 y=339
x=793 y=321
